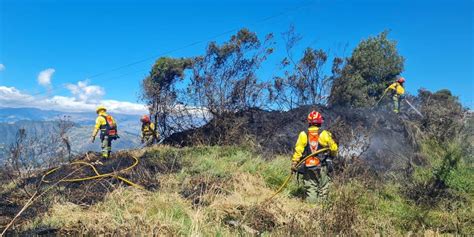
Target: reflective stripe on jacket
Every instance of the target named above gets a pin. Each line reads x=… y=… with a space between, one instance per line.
x=148 y=129
x=325 y=141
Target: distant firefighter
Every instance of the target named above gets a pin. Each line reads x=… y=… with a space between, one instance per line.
x=149 y=136
x=397 y=91
x=108 y=130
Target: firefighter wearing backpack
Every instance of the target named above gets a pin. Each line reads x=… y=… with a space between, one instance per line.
x=149 y=135
x=397 y=91
x=108 y=130
x=315 y=170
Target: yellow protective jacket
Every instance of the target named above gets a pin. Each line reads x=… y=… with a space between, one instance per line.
x=148 y=129
x=325 y=141
x=397 y=88
x=100 y=123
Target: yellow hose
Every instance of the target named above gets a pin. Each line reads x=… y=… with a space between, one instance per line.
x=98 y=175
x=287 y=180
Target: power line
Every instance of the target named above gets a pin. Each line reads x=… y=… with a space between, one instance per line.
x=197 y=42
x=177 y=49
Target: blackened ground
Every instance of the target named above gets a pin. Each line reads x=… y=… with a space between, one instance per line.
x=377 y=135
x=83 y=192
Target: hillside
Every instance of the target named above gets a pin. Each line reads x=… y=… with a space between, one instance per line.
x=424 y=188
x=224 y=191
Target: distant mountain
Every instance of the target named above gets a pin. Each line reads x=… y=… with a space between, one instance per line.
x=10 y=115
x=42 y=123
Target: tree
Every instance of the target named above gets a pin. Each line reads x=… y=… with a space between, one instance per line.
x=63 y=126
x=32 y=150
x=305 y=83
x=374 y=63
x=224 y=79
x=159 y=90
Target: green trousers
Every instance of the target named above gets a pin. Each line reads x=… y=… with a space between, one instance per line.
x=317 y=183
x=396 y=103
x=149 y=140
x=106 y=144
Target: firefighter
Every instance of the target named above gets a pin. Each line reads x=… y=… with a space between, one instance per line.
x=108 y=130
x=148 y=134
x=397 y=91
x=315 y=170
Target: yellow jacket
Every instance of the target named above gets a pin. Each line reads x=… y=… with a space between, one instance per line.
x=148 y=130
x=397 y=88
x=325 y=141
x=100 y=122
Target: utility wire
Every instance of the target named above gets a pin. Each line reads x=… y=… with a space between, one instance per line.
x=198 y=42
x=176 y=49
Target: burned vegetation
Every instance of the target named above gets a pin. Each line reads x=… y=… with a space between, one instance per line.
x=228 y=137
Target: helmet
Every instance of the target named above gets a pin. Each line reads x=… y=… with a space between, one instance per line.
x=99 y=108
x=315 y=118
x=145 y=119
x=401 y=80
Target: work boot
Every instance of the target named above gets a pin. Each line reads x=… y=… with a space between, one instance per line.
x=396 y=111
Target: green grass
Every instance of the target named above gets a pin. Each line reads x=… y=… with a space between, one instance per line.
x=247 y=179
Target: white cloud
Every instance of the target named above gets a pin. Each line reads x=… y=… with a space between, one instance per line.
x=12 y=97
x=82 y=91
x=2 y=67
x=44 y=77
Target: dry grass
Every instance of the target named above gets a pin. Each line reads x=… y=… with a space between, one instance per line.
x=221 y=191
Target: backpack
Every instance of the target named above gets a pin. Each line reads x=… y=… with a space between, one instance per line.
x=110 y=127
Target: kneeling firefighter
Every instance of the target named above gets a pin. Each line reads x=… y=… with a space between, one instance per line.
x=315 y=170
x=108 y=130
x=149 y=136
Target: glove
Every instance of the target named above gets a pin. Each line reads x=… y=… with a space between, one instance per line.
x=294 y=166
x=92 y=139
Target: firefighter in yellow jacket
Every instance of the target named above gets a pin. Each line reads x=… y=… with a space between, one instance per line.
x=315 y=170
x=149 y=136
x=108 y=130
x=397 y=91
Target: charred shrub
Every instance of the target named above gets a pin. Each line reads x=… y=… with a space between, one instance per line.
x=443 y=114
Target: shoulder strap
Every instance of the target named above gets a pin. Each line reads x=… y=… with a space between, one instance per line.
x=106 y=121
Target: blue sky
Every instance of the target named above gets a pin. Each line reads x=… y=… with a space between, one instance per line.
x=72 y=41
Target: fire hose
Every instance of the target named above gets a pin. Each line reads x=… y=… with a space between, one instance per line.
x=290 y=176
x=97 y=175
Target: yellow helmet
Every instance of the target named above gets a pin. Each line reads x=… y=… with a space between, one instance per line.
x=99 y=108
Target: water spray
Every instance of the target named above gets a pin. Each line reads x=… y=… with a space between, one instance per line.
x=413 y=107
